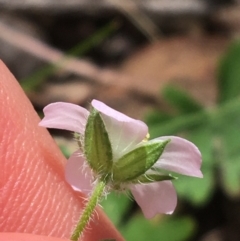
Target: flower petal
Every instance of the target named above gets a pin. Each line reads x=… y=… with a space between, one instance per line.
x=154 y=198
x=78 y=174
x=65 y=116
x=180 y=156
x=124 y=132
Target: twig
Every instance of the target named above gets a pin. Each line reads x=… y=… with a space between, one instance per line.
x=131 y=9
x=153 y=6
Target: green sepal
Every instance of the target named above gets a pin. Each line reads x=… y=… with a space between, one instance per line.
x=149 y=178
x=97 y=146
x=137 y=161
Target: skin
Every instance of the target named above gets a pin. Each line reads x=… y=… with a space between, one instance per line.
x=35 y=201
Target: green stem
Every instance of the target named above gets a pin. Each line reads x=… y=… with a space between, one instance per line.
x=88 y=210
x=33 y=81
x=187 y=121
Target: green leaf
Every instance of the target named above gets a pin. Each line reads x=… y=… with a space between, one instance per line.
x=116 y=206
x=180 y=99
x=231 y=177
x=168 y=229
x=137 y=161
x=154 y=118
x=178 y=123
x=203 y=138
x=227 y=126
x=98 y=150
x=229 y=158
x=197 y=191
x=229 y=73
x=227 y=151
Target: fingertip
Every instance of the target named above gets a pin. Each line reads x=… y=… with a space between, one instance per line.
x=26 y=237
x=35 y=197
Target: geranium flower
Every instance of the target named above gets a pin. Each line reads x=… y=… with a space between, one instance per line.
x=126 y=134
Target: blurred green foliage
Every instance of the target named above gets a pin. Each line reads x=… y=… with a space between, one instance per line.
x=136 y=227
x=166 y=229
x=216 y=132
x=229 y=73
x=116 y=206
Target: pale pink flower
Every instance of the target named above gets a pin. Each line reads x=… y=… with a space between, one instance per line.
x=125 y=133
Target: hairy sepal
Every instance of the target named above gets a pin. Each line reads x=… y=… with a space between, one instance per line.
x=97 y=146
x=149 y=178
x=138 y=161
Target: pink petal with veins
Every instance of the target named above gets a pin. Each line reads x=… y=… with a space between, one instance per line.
x=124 y=132
x=180 y=156
x=65 y=116
x=155 y=198
x=78 y=174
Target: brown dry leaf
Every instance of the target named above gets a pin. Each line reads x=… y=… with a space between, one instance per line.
x=184 y=60
x=188 y=62
x=75 y=92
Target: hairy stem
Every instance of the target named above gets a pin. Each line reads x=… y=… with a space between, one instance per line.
x=88 y=210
